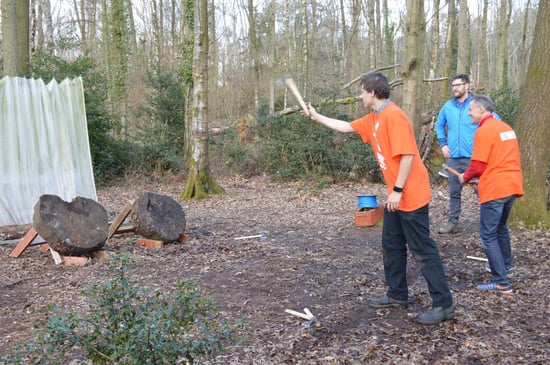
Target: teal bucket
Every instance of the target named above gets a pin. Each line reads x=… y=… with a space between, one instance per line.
x=366 y=201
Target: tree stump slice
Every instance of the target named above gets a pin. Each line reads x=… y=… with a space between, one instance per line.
x=71 y=229
x=158 y=217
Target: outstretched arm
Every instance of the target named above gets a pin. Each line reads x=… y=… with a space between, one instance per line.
x=335 y=124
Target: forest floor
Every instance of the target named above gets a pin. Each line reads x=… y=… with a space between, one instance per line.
x=313 y=256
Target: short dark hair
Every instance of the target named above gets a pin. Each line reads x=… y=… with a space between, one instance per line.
x=485 y=102
x=465 y=78
x=377 y=82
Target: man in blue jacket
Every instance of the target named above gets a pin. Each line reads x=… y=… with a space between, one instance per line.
x=455 y=133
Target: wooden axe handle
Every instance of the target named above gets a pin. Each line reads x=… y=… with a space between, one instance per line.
x=292 y=86
x=451 y=170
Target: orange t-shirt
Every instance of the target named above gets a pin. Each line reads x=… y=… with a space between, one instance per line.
x=391 y=135
x=495 y=143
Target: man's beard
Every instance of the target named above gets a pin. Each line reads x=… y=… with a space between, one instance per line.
x=460 y=94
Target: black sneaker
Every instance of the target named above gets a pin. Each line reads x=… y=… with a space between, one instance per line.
x=387 y=302
x=436 y=315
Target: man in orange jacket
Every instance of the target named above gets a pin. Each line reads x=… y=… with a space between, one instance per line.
x=496 y=161
x=406 y=216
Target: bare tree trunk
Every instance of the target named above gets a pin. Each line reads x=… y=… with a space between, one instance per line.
x=503 y=25
x=372 y=61
x=15 y=37
x=22 y=9
x=36 y=25
x=10 y=52
x=532 y=128
x=132 y=30
x=47 y=19
x=271 y=36
x=213 y=40
x=200 y=182
x=80 y=14
x=157 y=30
x=436 y=38
x=483 y=57
x=464 y=41
x=379 y=39
x=523 y=51
x=450 y=42
x=305 y=48
x=389 y=33
x=413 y=69
x=254 y=52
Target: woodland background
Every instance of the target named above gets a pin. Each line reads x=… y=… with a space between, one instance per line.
x=183 y=91
x=163 y=77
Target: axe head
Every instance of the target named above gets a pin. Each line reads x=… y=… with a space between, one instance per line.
x=282 y=82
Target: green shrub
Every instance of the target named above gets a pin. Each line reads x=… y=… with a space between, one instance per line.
x=125 y=324
x=506 y=104
x=294 y=148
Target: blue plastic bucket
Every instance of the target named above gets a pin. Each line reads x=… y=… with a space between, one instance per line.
x=366 y=201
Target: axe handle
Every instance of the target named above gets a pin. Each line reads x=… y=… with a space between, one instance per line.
x=298 y=314
x=451 y=170
x=292 y=86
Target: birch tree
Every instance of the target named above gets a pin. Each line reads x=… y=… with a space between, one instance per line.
x=200 y=181
x=533 y=128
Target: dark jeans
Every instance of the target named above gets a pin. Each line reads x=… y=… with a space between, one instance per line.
x=402 y=229
x=455 y=187
x=495 y=237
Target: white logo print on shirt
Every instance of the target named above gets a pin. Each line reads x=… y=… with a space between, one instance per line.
x=506 y=136
x=379 y=156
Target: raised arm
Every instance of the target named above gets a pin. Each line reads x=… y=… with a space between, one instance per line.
x=335 y=124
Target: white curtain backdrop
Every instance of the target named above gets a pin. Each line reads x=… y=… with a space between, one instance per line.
x=44 y=145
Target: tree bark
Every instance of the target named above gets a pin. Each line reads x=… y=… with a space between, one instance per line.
x=389 y=34
x=464 y=42
x=22 y=9
x=414 y=63
x=10 y=52
x=372 y=35
x=502 y=60
x=533 y=131
x=253 y=49
x=523 y=51
x=74 y=228
x=200 y=182
x=450 y=42
x=434 y=59
x=158 y=217
x=483 y=56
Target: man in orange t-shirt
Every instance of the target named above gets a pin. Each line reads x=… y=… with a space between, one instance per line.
x=406 y=216
x=496 y=161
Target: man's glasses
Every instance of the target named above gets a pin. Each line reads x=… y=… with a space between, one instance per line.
x=457 y=85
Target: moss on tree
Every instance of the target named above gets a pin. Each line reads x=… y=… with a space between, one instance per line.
x=200 y=184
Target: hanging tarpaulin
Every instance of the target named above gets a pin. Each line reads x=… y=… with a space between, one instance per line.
x=44 y=145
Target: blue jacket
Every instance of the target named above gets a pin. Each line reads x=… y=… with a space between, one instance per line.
x=454 y=127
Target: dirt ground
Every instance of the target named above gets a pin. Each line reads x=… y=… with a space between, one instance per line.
x=313 y=256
